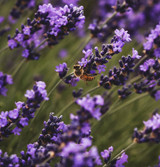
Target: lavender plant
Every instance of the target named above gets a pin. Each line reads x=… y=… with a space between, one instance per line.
x=95 y=97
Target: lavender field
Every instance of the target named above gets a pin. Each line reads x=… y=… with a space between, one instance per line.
x=79 y=83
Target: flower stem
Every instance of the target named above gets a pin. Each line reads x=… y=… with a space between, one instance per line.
x=41 y=44
x=18 y=67
x=120 y=106
x=108 y=19
x=3 y=49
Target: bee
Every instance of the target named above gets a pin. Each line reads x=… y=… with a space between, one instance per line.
x=81 y=72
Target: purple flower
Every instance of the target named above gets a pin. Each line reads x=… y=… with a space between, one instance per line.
x=26 y=30
x=41 y=88
x=19 y=105
x=3 y=119
x=157 y=95
x=13 y=114
x=25 y=53
x=135 y=54
x=21 y=115
x=151 y=38
x=19 y=37
x=87 y=53
x=123 y=35
x=1 y=19
x=153 y=123
x=16 y=131
x=99 y=100
x=14 y=159
x=144 y=67
x=12 y=44
x=86 y=142
x=148 y=63
x=31 y=150
x=123 y=159
x=74 y=2
x=106 y=154
x=71 y=147
x=86 y=128
x=46 y=8
x=90 y=104
x=94 y=153
x=30 y=94
x=117 y=46
x=9 y=80
x=62 y=70
x=23 y=121
x=101 y=68
x=74 y=81
x=4 y=81
x=52 y=24
x=157 y=53
x=41 y=85
x=83 y=62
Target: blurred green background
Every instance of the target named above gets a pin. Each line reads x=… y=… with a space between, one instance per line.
x=115 y=129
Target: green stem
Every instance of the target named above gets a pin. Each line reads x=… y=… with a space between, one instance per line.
x=18 y=67
x=128 y=102
x=3 y=49
x=54 y=87
x=120 y=106
x=108 y=19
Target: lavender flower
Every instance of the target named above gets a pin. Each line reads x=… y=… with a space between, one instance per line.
x=90 y=105
x=121 y=160
x=19 y=7
x=21 y=115
x=55 y=23
x=152 y=43
x=151 y=131
x=91 y=62
x=118 y=76
x=4 y=81
x=62 y=70
x=1 y=19
x=106 y=154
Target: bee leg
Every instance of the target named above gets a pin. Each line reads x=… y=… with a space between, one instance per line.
x=86 y=82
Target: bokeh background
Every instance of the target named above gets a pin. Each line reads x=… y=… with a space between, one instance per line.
x=114 y=129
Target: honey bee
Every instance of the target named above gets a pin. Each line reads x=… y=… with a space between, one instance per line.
x=81 y=72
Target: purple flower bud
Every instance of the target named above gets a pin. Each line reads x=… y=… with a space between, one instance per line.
x=23 y=122
x=12 y=44
x=13 y=114
x=62 y=70
x=101 y=68
x=16 y=131
x=123 y=35
x=135 y=54
x=3 y=119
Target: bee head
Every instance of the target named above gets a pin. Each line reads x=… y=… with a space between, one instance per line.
x=77 y=67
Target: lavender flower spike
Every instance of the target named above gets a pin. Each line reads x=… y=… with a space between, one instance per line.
x=151 y=132
x=62 y=70
x=4 y=81
x=23 y=112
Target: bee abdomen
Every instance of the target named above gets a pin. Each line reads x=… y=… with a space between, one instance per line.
x=87 y=78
